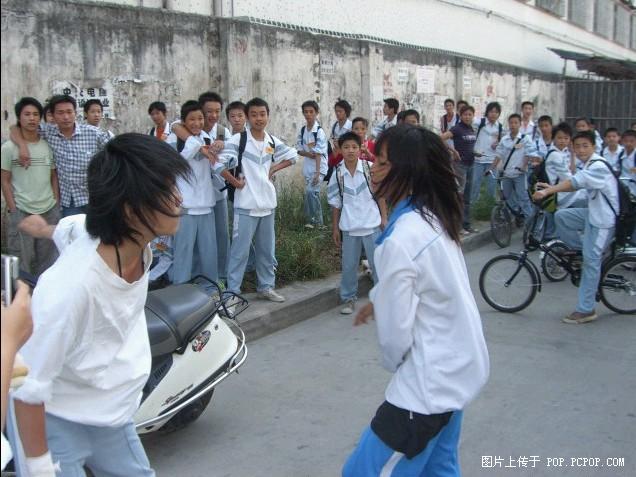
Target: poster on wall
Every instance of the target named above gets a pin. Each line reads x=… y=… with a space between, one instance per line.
x=467 y=82
x=438 y=110
x=425 y=76
x=83 y=92
x=403 y=75
x=478 y=104
x=327 y=65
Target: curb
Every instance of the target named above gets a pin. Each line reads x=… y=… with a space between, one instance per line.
x=305 y=300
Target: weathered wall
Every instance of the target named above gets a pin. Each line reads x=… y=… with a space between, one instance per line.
x=144 y=54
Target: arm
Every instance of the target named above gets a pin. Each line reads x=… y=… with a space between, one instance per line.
x=279 y=166
x=237 y=183
x=15 y=134
x=55 y=185
x=547 y=190
x=447 y=135
x=7 y=191
x=180 y=131
x=335 y=220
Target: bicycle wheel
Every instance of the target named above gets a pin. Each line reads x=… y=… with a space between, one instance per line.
x=500 y=225
x=507 y=284
x=549 y=266
x=618 y=285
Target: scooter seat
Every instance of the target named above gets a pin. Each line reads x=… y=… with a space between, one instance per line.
x=173 y=314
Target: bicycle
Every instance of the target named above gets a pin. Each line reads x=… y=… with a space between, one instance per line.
x=502 y=215
x=510 y=282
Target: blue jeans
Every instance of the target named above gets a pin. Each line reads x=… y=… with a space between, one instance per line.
x=570 y=223
x=261 y=230
x=479 y=169
x=313 y=207
x=195 y=248
x=112 y=451
x=515 y=190
x=351 y=249
x=222 y=237
x=372 y=457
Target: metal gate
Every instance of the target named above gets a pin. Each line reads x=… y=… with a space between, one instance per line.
x=607 y=103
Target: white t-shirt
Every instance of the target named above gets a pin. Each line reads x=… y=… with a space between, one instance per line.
x=313 y=140
x=89 y=355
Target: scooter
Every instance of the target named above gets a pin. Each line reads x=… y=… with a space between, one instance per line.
x=196 y=343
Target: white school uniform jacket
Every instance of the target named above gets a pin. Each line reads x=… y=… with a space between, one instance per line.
x=217 y=181
x=612 y=157
x=486 y=137
x=628 y=163
x=522 y=146
x=89 y=355
x=557 y=167
x=359 y=213
x=258 y=197
x=197 y=191
x=429 y=327
x=602 y=190
x=531 y=130
x=337 y=131
x=313 y=140
x=384 y=125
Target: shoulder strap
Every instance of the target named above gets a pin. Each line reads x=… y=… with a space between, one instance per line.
x=482 y=123
x=241 y=150
x=621 y=156
x=152 y=131
x=207 y=141
x=618 y=182
x=340 y=180
x=500 y=132
x=445 y=120
x=180 y=144
x=333 y=129
x=302 y=134
x=512 y=151
x=315 y=133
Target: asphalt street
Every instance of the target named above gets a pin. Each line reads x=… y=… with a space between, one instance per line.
x=296 y=409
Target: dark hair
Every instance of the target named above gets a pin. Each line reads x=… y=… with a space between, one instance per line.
x=545 y=118
x=91 y=102
x=159 y=106
x=360 y=119
x=399 y=119
x=411 y=112
x=255 y=103
x=46 y=109
x=529 y=103
x=235 y=105
x=611 y=130
x=344 y=104
x=449 y=100
x=61 y=98
x=584 y=119
x=210 y=96
x=27 y=101
x=493 y=105
x=310 y=104
x=629 y=133
x=133 y=173
x=188 y=107
x=392 y=103
x=514 y=115
x=466 y=108
x=461 y=101
x=349 y=136
x=565 y=128
x=420 y=167
x=589 y=135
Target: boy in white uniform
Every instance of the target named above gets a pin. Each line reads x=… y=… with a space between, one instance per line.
x=390 y=110
x=89 y=355
x=627 y=160
x=528 y=126
x=195 y=241
x=356 y=214
x=596 y=221
x=489 y=133
x=612 y=149
x=311 y=143
x=255 y=197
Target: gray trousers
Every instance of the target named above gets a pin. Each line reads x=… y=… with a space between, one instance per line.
x=36 y=255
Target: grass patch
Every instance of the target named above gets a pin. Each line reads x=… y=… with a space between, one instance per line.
x=481 y=209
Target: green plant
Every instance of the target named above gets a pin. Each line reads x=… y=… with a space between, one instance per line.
x=481 y=209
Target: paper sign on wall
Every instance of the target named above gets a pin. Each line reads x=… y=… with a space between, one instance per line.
x=82 y=93
x=425 y=76
x=327 y=65
x=468 y=82
x=403 y=75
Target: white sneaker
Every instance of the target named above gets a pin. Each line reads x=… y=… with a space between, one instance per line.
x=271 y=295
x=348 y=308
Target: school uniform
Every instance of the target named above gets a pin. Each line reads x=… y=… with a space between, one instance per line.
x=254 y=206
x=530 y=129
x=384 y=125
x=431 y=339
x=627 y=163
x=337 y=130
x=487 y=135
x=598 y=142
x=511 y=166
x=195 y=240
x=612 y=157
x=313 y=140
x=596 y=221
x=557 y=168
x=221 y=212
x=359 y=222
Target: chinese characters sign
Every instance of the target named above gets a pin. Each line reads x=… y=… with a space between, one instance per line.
x=82 y=93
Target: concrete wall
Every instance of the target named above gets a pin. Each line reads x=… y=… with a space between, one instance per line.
x=144 y=54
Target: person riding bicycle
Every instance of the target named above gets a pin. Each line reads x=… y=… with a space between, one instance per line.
x=596 y=222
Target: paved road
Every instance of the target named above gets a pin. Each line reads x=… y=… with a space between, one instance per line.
x=301 y=400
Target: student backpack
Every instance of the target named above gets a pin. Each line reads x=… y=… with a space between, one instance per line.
x=625 y=223
x=549 y=204
x=446 y=121
x=512 y=151
x=329 y=149
x=330 y=152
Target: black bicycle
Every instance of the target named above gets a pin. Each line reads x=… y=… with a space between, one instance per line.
x=510 y=282
x=503 y=216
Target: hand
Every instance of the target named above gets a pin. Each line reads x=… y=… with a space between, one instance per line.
x=494 y=145
x=316 y=179
x=364 y=315
x=24 y=157
x=217 y=146
x=272 y=171
x=539 y=195
x=17 y=324
x=455 y=155
x=336 y=238
x=240 y=183
x=209 y=154
x=164 y=136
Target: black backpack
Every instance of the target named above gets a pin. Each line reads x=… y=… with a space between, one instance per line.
x=181 y=143
x=482 y=123
x=624 y=232
x=539 y=174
